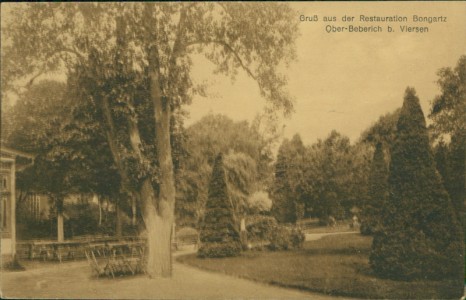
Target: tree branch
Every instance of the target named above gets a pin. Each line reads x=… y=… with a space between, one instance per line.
x=80 y=56
x=112 y=140
x=43 y=70
x=229 y=48
x=134 y=135
x=177 y=44
x=31 y=81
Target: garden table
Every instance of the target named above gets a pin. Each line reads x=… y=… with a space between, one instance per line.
x=53 y=249
x=41 y=249
x=101 y=249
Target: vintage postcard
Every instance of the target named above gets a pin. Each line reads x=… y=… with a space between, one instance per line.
x=233 y=150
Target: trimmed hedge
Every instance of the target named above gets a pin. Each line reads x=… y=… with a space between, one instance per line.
x=285 y=238
x=276 y=236
x=260 y=227
x=219 y=250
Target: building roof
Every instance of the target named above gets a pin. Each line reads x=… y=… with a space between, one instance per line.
x=22 y=159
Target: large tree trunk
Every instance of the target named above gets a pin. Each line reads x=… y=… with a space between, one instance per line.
x=60 y=230
x=165 y=213
x=157 y=209
x=158 y=221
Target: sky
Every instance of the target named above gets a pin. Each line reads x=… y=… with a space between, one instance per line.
x=346 y=81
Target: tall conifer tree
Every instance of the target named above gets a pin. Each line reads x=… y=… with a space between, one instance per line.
x=219 y=234
x=421 y=237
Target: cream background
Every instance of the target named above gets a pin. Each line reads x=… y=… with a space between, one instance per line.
x=345 y=81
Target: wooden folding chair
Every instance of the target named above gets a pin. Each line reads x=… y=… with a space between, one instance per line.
x=97 y=269
x=141 y=265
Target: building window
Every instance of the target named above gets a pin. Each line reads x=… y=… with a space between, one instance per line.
x=4 y=183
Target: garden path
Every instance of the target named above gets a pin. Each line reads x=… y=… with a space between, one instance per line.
x=317 y=236
x=72 y=280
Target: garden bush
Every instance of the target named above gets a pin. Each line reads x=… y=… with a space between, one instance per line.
x=219 y=250
x=267 y=232
x=366 y=229
x=259 y=227
x=285 y=238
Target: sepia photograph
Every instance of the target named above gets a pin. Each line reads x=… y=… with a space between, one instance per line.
x=233 y=150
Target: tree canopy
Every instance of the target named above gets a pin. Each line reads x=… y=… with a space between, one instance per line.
x=246 y=160
x=286 y=193
x=336 y=176
x=448 y=111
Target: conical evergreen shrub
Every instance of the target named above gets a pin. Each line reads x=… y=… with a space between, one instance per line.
x=218 y=233
x=371 y=219
x=421 y=237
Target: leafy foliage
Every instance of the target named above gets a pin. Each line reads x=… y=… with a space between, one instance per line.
x=441 y=161
x=39 y=120
x=259 y=202
x=371 y=218
x=219 y=234
x=259 y=227
x=264 y=230
x=246 y=163
x=336 y=176
x=456 y=183
x=37 y=116
x=285 y=238
x=286 y=194
x=421 y=237
x=451 y=164
x=240 y=172
x=449 y=108
x=448 y=113
x=383 y=131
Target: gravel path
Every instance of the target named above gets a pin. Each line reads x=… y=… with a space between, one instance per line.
x=72 y=280
x=317 y=236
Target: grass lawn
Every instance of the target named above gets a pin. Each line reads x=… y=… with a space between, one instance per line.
x=334 y=265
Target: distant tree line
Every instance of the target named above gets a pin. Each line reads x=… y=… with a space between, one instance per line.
x=332 y=176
